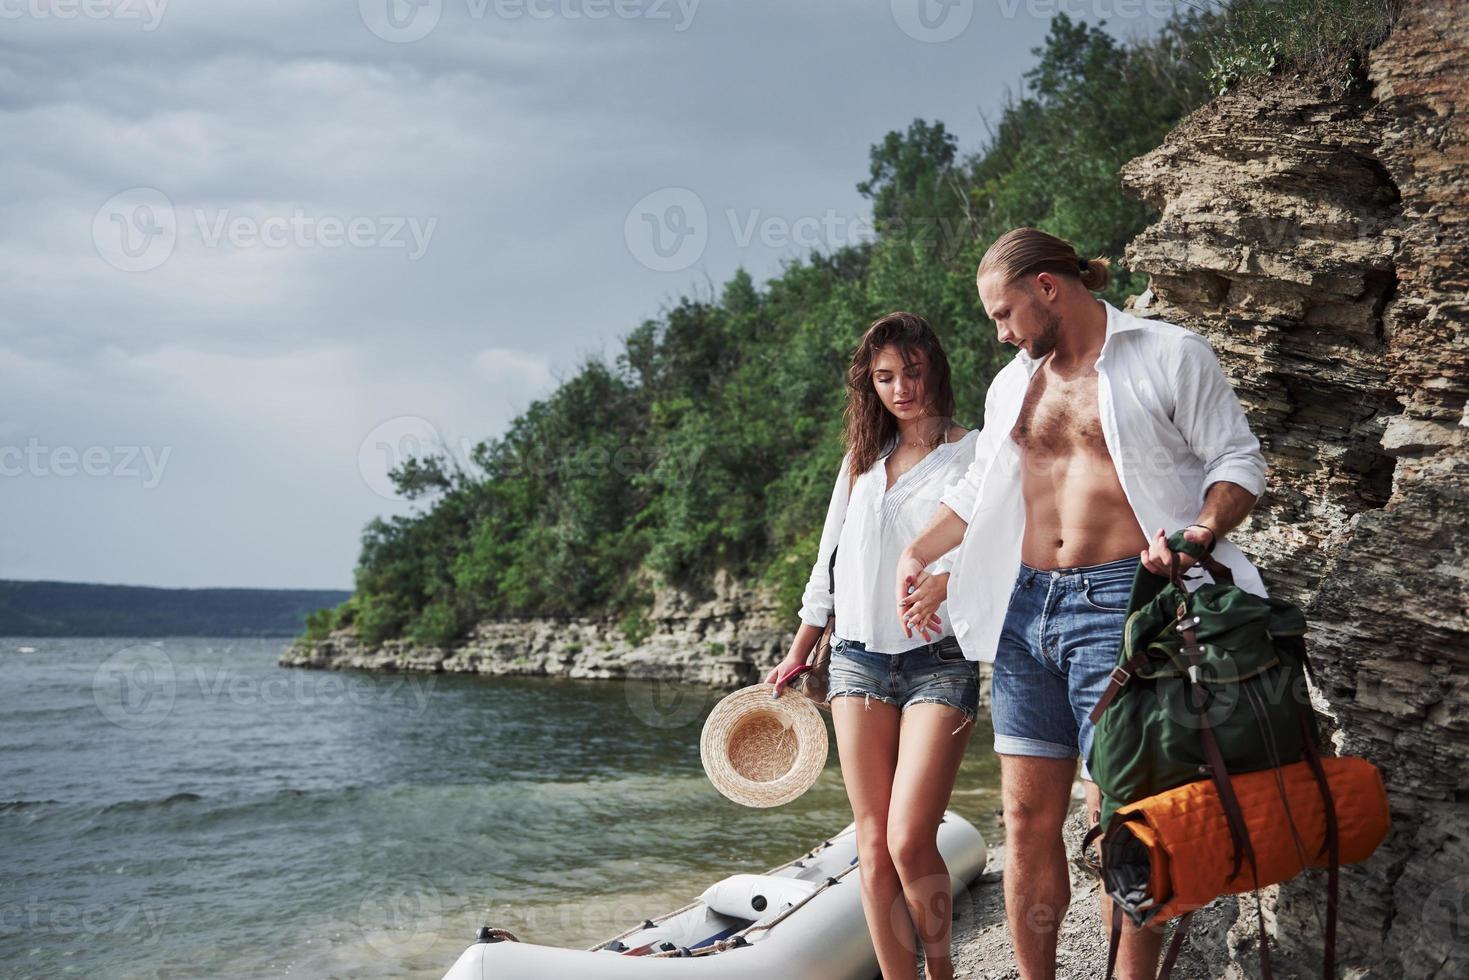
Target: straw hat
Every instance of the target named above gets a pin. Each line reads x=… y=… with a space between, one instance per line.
x=763 y=751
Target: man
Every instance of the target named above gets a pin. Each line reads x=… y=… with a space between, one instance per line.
x=1103 y=434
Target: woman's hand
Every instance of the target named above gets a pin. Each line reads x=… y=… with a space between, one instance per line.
x=910 y=571
x=918 y=610
x=780 y=674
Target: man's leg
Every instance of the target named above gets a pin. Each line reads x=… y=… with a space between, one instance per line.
x=1037 y=794
x=1093 y=619
x=1035 y=738
x=1137 y=953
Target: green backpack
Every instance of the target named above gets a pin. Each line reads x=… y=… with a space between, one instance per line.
x=1209 y=683
x=1250 y=660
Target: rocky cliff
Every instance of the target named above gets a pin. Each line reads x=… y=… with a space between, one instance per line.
x=728 y=636
x=1322 y=244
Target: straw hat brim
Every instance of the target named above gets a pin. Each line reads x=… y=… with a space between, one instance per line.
x=761 y=751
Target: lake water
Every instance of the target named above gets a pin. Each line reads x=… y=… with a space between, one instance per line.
x=186 y=808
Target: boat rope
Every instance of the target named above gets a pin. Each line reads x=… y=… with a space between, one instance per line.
x=738 y=939
x=650 y=923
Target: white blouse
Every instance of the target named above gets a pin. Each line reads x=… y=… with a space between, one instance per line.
x=870 y=527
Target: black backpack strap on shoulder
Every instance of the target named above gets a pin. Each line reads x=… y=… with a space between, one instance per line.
x=1333 y=847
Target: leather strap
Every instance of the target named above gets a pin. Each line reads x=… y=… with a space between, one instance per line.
x=1175 y=946
x=1333 y=847
x=1120 y=677
x=1114 y=939
x=1233 y=814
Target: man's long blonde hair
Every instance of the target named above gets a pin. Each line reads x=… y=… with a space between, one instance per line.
x=1026 y=251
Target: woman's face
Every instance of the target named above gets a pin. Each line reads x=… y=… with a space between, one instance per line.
x=901 y=386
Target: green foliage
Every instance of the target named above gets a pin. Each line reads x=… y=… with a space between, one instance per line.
x=712 y=440
x=437 y=625
x=635 y=627
x=1320 y=39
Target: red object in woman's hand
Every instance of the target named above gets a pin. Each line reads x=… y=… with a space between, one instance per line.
x=787 y=677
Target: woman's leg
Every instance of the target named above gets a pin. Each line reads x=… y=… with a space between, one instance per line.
x=867 y=743
x=929 y=753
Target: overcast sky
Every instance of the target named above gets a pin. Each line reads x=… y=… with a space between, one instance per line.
x=251 y=250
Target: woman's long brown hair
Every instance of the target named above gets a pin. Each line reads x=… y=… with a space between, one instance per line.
x=870 y=429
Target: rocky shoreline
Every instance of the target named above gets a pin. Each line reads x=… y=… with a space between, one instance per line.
x=728 y=637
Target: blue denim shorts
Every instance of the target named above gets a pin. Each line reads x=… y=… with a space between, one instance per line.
x=1057 y=649
x=937 y=673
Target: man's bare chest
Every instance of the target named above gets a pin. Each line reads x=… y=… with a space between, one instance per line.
x=1059 y=416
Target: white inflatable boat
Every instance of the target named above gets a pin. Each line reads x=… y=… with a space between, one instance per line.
x=803 y=919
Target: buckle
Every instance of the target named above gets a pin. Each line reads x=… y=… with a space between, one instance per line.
x=1186 y=623
x=1120 y=676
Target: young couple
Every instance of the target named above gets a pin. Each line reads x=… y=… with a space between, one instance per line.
x=1015 y=545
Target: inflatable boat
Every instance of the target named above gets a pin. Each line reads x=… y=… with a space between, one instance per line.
x=802 y=919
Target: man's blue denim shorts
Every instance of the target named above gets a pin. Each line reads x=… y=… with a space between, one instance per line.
x=937 y=673
x=1057 y=649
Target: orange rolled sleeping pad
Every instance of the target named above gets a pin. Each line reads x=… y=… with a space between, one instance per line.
x=1172 y=853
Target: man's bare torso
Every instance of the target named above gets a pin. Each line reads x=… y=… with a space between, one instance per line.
x=1075 y=510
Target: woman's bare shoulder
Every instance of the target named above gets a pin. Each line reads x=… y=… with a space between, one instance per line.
x=958 y=432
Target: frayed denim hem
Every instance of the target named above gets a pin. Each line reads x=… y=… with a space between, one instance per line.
x=862 y=694
x=962 y=709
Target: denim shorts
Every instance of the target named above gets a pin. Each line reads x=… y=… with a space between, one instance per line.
x=937 y=673
x=1057 y=649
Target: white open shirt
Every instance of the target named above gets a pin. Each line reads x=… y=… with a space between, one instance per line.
x=1172 y=425
x=870 y=528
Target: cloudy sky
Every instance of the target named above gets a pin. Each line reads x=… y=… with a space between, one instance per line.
x=252 y=251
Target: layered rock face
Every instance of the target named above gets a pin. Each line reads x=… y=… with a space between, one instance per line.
x=1322 y=244
x=725 y=638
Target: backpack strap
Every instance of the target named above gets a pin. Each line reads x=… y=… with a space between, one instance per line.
x=1174 y=946
x=1333 y=847
x=1114 y=939
x=1120 y=676
x=1233 y=814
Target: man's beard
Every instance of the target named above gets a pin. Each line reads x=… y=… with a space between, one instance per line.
x=1045 y=341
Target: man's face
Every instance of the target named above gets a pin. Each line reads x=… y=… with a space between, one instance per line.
x=1020 y=311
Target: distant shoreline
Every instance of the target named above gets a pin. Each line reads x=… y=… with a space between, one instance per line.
x=44 y=609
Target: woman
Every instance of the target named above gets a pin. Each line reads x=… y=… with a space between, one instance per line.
x=903 y=449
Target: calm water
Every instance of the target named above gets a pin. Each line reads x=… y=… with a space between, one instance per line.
x=185 y=808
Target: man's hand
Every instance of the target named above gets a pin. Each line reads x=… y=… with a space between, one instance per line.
x=1157 y=557
x=919 y=609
